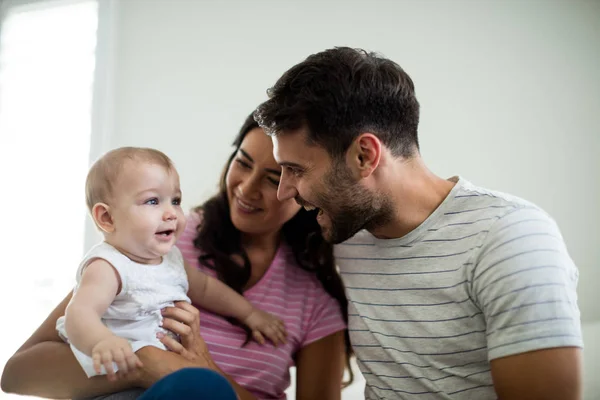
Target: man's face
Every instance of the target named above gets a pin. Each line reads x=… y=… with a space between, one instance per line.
x=315 y=180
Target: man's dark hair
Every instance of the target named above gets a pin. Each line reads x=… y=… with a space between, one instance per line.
x=341 y=93
x=218 y=240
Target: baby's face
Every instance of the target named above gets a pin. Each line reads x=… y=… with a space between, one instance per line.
x=146 y=211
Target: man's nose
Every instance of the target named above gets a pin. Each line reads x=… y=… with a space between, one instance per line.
x=286 y=189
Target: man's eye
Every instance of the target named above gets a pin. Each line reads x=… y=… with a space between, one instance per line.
x=295 y=171
x=153 y=201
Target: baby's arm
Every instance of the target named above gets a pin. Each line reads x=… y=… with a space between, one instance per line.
x=100 y=283
x=217 y=297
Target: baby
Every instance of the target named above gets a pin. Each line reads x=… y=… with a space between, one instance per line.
x=123 y=282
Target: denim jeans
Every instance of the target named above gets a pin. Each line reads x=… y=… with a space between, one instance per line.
x=185 y=384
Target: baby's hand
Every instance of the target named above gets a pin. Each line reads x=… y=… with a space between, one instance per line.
x=114 y=349
x=262 y=323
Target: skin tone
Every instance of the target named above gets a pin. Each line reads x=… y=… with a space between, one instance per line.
x=319 y=367
x=143 y=219
x=549 y=374
x=252 y=181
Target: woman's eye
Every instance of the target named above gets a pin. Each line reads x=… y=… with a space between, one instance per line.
x=274 y=181
x=243 y=163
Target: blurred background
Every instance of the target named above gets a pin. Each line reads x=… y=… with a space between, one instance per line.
x=509 y=93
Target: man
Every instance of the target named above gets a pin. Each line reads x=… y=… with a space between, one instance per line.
x=456 y=292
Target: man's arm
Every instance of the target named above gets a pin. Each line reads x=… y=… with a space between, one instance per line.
x=542 y=374
x=525 y=283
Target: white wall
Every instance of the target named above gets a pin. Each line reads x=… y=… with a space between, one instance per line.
x=510 y=91
x=591 y=361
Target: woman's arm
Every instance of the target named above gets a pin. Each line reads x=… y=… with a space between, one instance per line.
x=163 y=363
x=184 y=319
x=319 y=365
x=44 y=366
x=320 y=369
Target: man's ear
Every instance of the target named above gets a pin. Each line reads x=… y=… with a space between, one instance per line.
x=364 y=154
x=102 y=217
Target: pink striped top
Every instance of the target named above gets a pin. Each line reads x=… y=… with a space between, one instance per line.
x=285 y=290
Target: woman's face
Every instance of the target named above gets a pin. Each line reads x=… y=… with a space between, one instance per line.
x=251 y=181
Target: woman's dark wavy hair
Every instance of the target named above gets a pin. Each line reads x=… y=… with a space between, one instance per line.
x=219 y=240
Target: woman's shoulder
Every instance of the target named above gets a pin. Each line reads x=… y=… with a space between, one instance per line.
x=193 y=220
x=185 y=242
x=194 y=216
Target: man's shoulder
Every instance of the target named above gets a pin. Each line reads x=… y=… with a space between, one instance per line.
x=469 y=197
x=474 y=203
x=506 y=216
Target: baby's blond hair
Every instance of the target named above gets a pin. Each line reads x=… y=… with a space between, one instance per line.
x=104 y=172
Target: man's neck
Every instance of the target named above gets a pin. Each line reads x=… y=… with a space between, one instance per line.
x=415 y=196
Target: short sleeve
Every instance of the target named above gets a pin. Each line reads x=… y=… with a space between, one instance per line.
x=325 y=317
x=525 y=284
x=112 y=256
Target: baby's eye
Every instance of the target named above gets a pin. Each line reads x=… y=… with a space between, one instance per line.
x=177 y=201
x=153 y=201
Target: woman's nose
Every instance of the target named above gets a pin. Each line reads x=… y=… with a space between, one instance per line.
x=249 y=188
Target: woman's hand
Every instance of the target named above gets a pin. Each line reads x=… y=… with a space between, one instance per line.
x=184 y=320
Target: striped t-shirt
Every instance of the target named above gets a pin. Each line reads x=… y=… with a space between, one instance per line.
x=487 y=275
x=286 y=290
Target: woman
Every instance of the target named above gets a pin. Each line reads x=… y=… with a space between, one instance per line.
x=270 y=251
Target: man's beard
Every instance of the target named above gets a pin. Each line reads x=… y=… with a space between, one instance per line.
x=350 y=206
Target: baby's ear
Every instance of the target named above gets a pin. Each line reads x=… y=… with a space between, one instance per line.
x=102 y=217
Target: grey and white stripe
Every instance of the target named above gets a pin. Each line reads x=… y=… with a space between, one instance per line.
x=487 y=275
